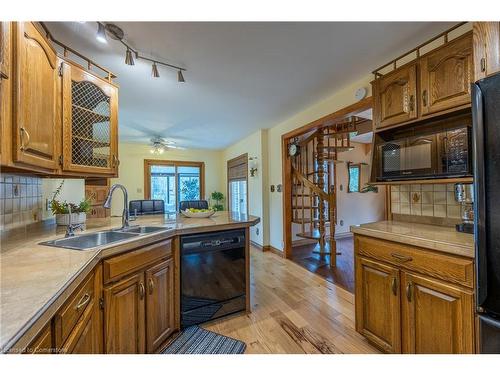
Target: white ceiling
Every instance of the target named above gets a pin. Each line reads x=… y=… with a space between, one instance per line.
x=241 y=76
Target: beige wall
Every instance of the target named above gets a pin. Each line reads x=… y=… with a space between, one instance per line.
x=255 y=145
x=357 y=208
x=340 y=99
x=131 y=170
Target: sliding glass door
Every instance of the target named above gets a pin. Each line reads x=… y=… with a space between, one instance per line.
x=173 y=181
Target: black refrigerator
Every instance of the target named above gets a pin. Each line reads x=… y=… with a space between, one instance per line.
x=486 y=125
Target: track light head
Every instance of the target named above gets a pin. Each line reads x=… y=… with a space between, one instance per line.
x=154 y=71
x=101 y=33
x=180 y=77
x=129 y=59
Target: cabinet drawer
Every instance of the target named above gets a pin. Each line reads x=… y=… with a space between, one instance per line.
x=117 y=267
x=442 y=266
x=67 y=317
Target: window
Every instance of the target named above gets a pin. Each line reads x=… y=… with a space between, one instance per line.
x=173 y=181
x=354 y=178
x=238 y=194
x=237 y=176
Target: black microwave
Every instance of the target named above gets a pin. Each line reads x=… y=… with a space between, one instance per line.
x=441 y=154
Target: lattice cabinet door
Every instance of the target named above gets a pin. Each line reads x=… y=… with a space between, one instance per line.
x=90 y=123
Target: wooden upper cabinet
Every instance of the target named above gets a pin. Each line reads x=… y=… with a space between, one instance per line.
x=486 y=49
x=90 y=123
x=124 y=309
x=35 y=99
x=446 y=75
x=437 y=318
x=378 y=304
x=5 y=48
x=395 y=96
x=160 y=302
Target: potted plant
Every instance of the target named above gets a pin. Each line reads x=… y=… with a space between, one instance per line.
x=218 y=198
x=61 y=209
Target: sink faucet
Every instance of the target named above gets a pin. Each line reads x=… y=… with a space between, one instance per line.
x=70 y=228
x=125 y=214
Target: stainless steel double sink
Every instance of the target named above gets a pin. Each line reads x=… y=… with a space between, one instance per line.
x=92 y=240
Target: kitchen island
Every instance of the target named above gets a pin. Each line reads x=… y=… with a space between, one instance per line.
x=38 y=282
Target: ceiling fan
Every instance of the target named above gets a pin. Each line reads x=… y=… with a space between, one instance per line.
x=160 y=145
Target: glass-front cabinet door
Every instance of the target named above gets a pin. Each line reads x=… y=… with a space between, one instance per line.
x=90 y=123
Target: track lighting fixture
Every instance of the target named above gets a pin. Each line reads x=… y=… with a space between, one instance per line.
x=116 y=33
x=180 y=77
x=154 y=71
x=101 y=33
x=129 y=59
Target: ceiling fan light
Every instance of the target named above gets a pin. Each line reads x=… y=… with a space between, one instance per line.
x=129 y=59
x=101 y=33
x=180 y=77
x=154 y=71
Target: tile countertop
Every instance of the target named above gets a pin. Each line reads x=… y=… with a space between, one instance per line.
x=34 y=278
x=439 y=238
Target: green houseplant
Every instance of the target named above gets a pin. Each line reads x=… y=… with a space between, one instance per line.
x=217 y=201
x=61 y=209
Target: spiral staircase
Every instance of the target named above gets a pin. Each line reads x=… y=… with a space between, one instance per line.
x=314 y=199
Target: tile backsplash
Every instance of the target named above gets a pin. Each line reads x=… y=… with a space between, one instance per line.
x=20 y=200
x=431 y=200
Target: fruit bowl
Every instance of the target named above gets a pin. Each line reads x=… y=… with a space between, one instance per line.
x=197 y=213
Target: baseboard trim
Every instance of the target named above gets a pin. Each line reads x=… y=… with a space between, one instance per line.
x=267 y=248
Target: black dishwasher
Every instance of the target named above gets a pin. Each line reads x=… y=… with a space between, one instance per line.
x=213 y=277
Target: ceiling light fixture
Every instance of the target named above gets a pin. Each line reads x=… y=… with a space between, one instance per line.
x=101 y=33
x=180 y=77
x=129 y=59
x=154 y=71
x=116 y=33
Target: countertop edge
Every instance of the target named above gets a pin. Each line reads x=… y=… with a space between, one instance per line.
x=435 y=245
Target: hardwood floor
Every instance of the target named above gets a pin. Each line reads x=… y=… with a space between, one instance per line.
x=342 y=275
x=293 y=311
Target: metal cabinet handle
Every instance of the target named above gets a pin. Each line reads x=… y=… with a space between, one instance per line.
x=402 y=258
x=23 y=131
x=151 y=285
x=412 y=103
x=483 y=64
x=424 y=98
x=83 y=301
x=141 y=290
x=409 y=287
x=116 y=162
x=394 y=286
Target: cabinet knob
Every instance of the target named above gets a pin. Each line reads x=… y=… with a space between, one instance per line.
x=22 y=132
x=151 y=285
x=483 y=64
x=424 y=98
x=394 y=286
x=409 y=287
x=141 y=290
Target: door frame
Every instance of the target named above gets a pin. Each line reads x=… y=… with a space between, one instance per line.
x=177 y=163
x=228 y=191
x=286 y=163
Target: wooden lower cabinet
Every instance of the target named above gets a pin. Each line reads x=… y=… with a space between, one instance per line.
x=43 y=343
x=87 y=336
x=378 y=314
x=160 y=304
x=124 y=316
x=400 y=310
x=437 y=318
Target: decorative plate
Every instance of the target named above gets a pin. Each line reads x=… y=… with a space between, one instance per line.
x=198 y=214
